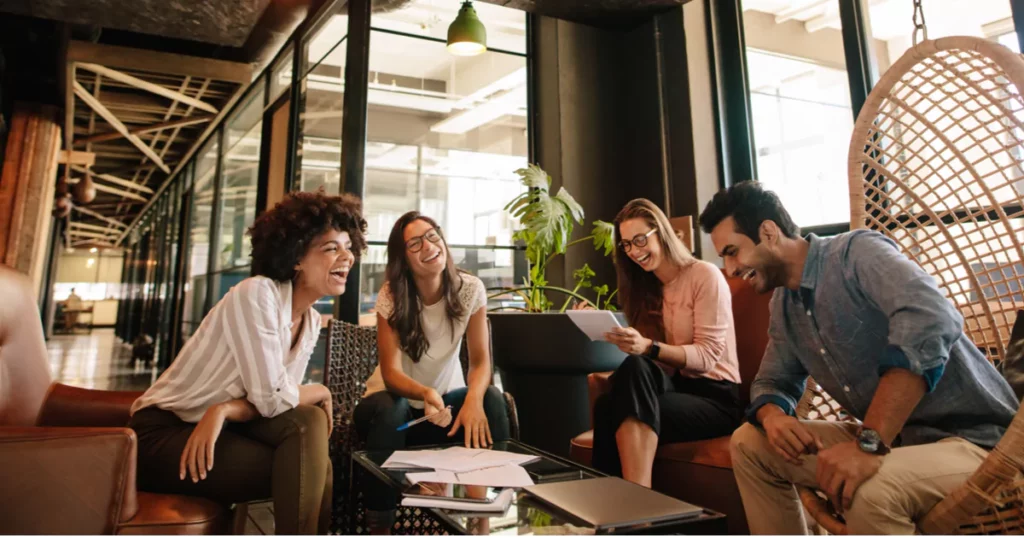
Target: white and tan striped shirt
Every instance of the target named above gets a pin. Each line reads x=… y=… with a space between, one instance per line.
x=241 y=350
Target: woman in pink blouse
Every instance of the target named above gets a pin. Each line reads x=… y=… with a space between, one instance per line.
x=681 y=379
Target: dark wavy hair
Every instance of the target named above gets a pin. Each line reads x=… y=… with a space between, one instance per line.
x=405 y=316
x=281 y=236
x=640 y=292
x=749 y=204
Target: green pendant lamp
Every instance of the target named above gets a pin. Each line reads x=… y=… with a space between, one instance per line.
x=467 y=35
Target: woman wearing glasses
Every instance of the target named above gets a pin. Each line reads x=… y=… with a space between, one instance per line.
x=680 y=381
x=424 y=309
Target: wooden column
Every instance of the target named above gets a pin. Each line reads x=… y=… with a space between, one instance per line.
x=27 y=187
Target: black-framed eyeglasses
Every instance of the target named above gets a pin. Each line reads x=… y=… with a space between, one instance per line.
x=416 y=243
x=639 y=241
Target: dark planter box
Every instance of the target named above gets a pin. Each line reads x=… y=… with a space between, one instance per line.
x=544 y=360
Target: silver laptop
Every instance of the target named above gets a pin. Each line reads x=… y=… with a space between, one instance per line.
x=608 y=503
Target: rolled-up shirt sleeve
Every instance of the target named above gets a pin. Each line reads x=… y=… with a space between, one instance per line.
x=923 y=324
x=253 y=334
x=712 y=308
x=781 y=380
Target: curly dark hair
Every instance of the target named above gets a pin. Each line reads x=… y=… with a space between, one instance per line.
x=749 y=205
x=281 y=236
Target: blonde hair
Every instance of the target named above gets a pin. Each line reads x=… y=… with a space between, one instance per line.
x=640 y=292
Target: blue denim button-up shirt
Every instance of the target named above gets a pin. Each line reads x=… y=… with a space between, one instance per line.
x=862 y=308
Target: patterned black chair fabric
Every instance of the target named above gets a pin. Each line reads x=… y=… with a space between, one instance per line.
x=351 y=359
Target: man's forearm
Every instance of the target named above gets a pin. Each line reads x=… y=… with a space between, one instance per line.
x=899 y=391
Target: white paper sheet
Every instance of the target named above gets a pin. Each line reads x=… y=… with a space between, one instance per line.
x=455 y=459
x=499 y=504
x=594 y=323
x=506 y=476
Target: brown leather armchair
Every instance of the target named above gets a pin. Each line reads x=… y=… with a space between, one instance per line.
x=68 y=461
x=701 y=471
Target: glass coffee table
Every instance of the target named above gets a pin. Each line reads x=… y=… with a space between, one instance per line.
x=525 y=516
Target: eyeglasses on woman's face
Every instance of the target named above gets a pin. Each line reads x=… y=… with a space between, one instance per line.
x=416 y=243
x=639 y=241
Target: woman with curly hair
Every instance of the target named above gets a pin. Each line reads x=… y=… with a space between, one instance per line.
x=424 y=309
x=233 y=395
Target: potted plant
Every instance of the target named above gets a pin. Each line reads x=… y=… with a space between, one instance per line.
x=543 y=358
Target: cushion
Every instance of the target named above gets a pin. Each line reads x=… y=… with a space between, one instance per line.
x=177 y=514
x=1013 y=364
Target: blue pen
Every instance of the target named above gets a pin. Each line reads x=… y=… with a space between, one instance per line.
x=412 y=423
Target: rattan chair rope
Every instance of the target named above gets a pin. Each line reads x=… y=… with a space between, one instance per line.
x=936 y=163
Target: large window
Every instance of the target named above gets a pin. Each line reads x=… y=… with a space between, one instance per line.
x=799 y=88
x=200 y=223
x=322 y=90
x=445 y=136
x=800 y=110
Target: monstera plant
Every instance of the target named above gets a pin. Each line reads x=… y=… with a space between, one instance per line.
x=546 y=225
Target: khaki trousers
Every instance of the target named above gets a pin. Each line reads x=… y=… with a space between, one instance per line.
x=284 y=458
x=910 y=482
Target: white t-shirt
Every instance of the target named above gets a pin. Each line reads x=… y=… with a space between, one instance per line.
x=439 y=367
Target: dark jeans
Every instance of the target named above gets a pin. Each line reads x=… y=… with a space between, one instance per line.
x=283 y=458
x=677 y=408
x=379 y=415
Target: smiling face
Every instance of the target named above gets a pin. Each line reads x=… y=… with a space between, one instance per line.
x=758 y=264
x=425 y=250
x=325 y=266
x=649 y=256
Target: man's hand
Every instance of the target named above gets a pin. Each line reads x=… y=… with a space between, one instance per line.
x=842 y=469
x=629 y=340
x=197 y=458
x=474 y=420
x=789 y=437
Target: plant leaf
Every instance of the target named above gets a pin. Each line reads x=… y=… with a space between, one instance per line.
x=575 y=210
x=604 y=236
x=534 y=177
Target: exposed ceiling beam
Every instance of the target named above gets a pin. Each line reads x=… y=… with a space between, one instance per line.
x=96 y=215
x=81 y=158
x=112 y=190
x=93 y=103
x=94 y=235
x=163 y=62
x=106 y=137
x=93 y=227
x=148 y=86
x=801 y=11
x=114 y=179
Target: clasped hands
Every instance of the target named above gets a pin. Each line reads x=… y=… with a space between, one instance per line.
x=841 y=468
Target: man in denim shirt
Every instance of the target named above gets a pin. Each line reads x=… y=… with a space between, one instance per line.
x=871 y=327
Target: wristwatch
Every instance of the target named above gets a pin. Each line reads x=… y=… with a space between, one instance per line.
x=654 y=351
x=869 y=441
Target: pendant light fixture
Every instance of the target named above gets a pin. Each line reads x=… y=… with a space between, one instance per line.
x=467 y=35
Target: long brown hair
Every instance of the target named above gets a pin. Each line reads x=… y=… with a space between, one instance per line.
x=405 y=317
x=640 y=292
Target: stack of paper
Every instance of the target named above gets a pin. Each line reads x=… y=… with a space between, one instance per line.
x=506 y=476
x=455 y=459
x=499 y=504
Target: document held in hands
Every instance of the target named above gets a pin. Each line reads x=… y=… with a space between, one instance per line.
x=594 y=323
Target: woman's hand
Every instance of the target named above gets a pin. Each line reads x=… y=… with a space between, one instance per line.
x=473 y=419
x=629 y=340
x=434 y=405
x=320 y=396
x=197 y=458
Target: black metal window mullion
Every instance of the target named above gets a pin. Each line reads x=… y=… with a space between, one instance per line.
x=733 y=124
x=353 y=134
x=215 y=215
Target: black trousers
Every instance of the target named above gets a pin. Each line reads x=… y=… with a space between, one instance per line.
x=677 y=408
x=379 y=415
